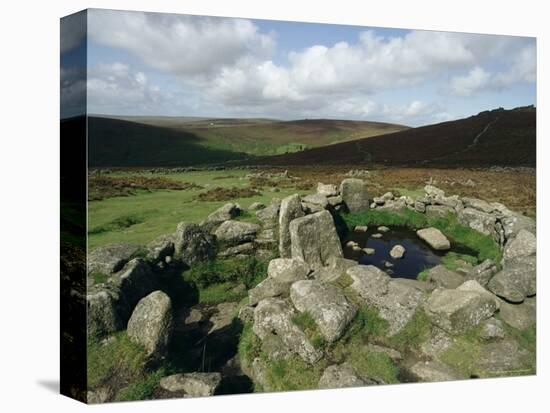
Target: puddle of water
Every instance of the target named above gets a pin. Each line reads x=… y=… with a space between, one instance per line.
x=418 y=255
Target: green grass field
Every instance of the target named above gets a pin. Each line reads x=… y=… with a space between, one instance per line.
x=141 y=217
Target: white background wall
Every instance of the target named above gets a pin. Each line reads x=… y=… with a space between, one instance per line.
x=29 y=159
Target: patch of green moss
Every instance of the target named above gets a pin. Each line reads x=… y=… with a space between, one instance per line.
x=307 y=324
x=415 y=332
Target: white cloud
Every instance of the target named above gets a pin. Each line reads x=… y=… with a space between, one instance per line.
x=523 y=68
x=116 y=88
x=477 y=79
x=230 y=66
x=179 y=44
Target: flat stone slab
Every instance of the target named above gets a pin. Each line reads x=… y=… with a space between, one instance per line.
x=457 y=311
x=193 y=384
x=434 y=238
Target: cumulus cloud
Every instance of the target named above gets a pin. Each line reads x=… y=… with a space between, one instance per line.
x=115 y=88
x=232 y=65
x=523 y=68
x=180 y=44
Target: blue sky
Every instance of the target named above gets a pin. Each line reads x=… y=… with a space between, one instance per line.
x=177 y=65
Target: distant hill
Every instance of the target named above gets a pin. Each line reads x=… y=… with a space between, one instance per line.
x=156 y=141
x=496 y=137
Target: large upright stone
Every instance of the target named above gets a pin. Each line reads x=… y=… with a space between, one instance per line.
x=151 y=324
x=314 y=239
x=291 y=208
x=326 y=304
x=103 y=318
x=193 y=243
x=355 y=194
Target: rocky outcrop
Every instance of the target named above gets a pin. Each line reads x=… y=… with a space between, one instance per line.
x=326 y=304
x=291 y=208
x=516 y=281
x=442 y=277
x=222 y=214
x=110 y=258
x=355 y=194
x=483 y=272
x=430 y=371
x=193 y=384
x=396 y=302
x=273 y=322
x=236 y=232
x=523 y=245
x=160 y=248
x=151 y=324
x=314 y=239
x=521 y=316
x=457 y=311
x=281 y=273
x=434 y=238
x=193 y=243
x=327 y=190
x=340 y=376
x=103 y=316
x=477 y=220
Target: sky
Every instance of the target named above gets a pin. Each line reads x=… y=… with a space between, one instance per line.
x=180 y=65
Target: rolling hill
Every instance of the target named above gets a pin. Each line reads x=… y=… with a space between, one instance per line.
x=165 y=141
x=496 y=137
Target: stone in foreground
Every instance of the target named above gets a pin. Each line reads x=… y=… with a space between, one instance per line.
x=110 y=258
x=236 y=232
x=340 y=376
x=273 y=321
x=442 y=277
x=314 y=239
x=457 y=311
x=434 y=238
x=287 y=270
x=291 y=208
x=430 y=371
x=193 y=384
x=151 y=324
x=395 y=301
x=326 y=304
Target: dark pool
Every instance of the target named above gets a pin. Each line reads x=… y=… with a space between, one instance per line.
x=418 y=255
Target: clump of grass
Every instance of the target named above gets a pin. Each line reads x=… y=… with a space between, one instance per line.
x=249 y=271
x=423 y=275
x=247 y=216
x=227 y=194
x=464 y=352
x=142 y=389
x=483 y=245
x=452 y=260
x=119 y=360
x=344 y=281
x=221 y=292
x=294 y=373
x=117 y=224
x=413 y=334
x=307 y=324
x=366 y=324
x=250 y=345
x=99 y=277
x=372 y=364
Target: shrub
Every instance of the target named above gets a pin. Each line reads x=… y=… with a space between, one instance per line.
x=250 y=271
